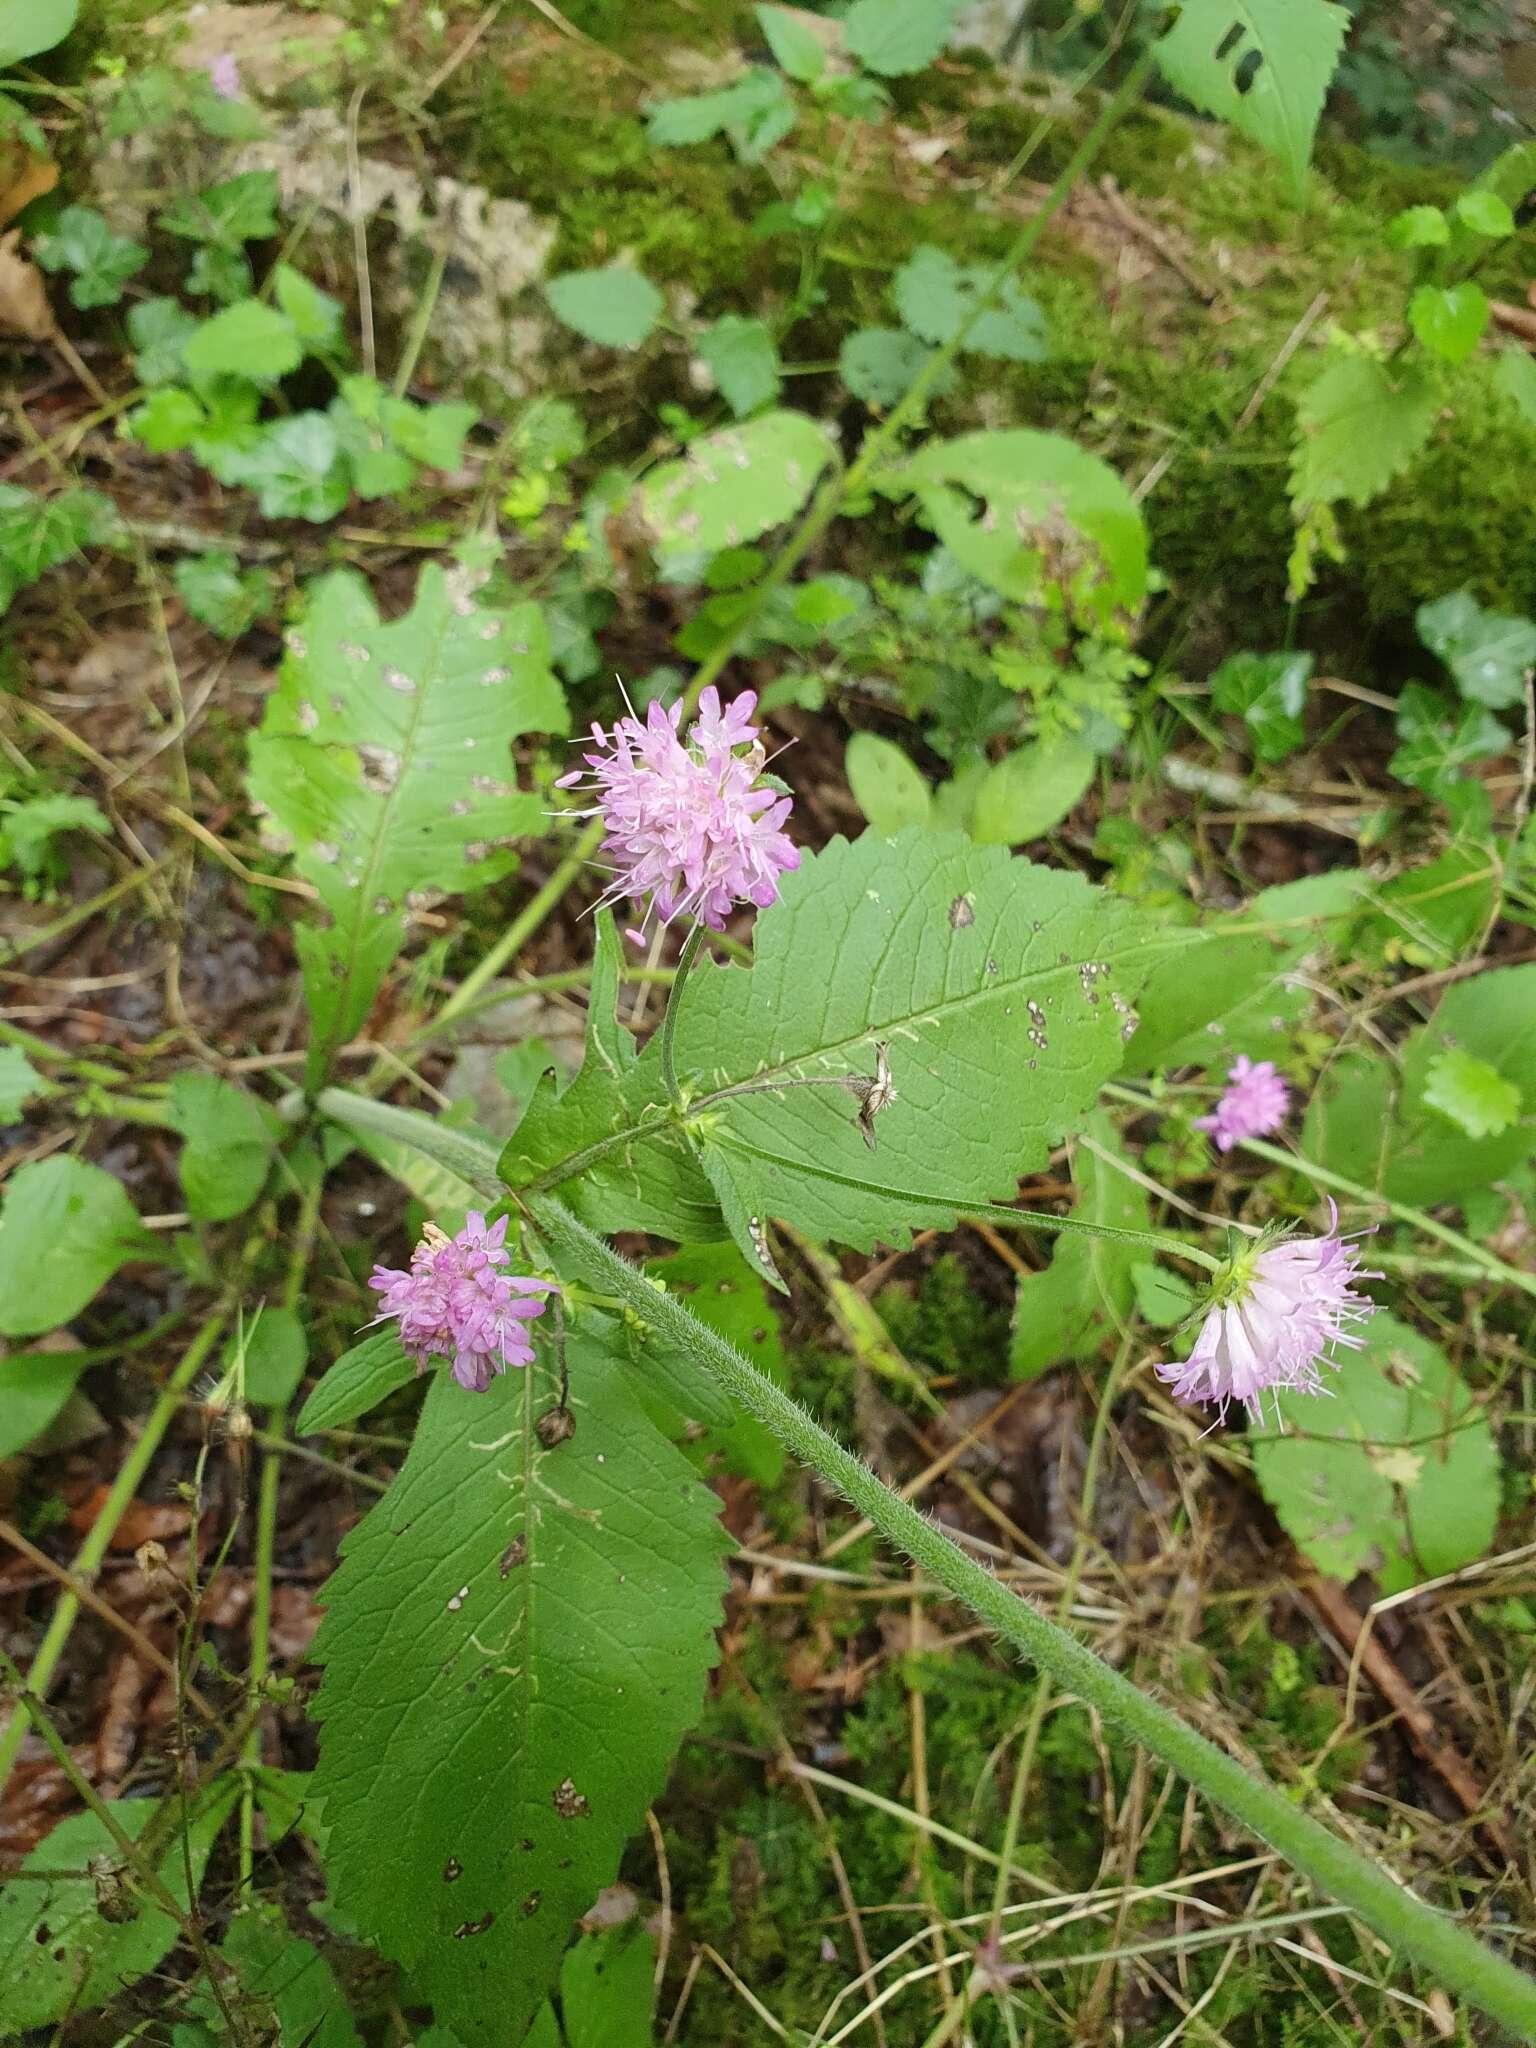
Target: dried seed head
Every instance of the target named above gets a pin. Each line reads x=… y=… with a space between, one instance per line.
x=555 y=1426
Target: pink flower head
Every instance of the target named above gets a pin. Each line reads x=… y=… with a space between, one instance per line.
x=690 y=830
x=1277 y=1315
x=1252 y=1104
x=454 y=1304
x=224 y=76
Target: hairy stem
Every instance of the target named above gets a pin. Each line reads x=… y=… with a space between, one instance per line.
x=1417 y=1932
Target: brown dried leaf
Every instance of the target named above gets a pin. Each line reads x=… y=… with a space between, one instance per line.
x=142 y=1521
x=24 y=309
x=24 y=176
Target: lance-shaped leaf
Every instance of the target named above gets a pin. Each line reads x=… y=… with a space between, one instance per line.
x=652 y=1182
x=514 y=1643
x=1003 y=992
x=385 y=756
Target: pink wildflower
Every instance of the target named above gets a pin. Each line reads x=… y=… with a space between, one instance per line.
x=1252 y=1104
x=1277 y=1316
x=689 y=826
x=224 y=76
x=454 y=1304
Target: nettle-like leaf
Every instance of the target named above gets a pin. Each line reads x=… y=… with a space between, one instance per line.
x=897 y=37
x=1360 y=428
x=514 y=1643
x=1087 y=1291
x=1003 y=992
x=879 y=363
x=736 y=484
x=1397 y=1474
x=937 y=297
x=1263 y=65
x=743 y=359
x=615 y=306
x=1022 y=510
x=384 y=755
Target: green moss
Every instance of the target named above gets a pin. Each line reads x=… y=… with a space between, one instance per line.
x=948 y=1326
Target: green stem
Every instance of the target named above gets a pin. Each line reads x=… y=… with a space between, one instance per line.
x=1417 y=1932
x=91 y=1552
x=685 y=960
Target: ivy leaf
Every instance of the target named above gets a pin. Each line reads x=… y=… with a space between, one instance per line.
x=1269 y=693
x=1022 y=796
x=1002 y=990
x=1475 y=1096
x=743 y=360
x=86 y=1959
x=734 y=485
x=1263 y=65
x=358 y=1381
x=1437 y=740
x=1396 y=1474
x=20 y=1083
x=384 y=755
x=1449 y=319
x=235 y=211
x=503 y=1693
x=65 y=1228
x=890 y=792
x=102 y=261
x=878 y=364
x=1359 y=430
x=1087 y=1291
x=1051 y=510
x=1488 y=653
x=615 y=306
x=896 y=37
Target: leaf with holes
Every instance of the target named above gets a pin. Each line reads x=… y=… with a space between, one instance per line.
x=1263 y=65
x=1359 y=429
x=1002 y=991
x=86 y=1959
x=736 y=484
x=384 y=755
x=1024 y=511
x=504 y=1690
x=1397 y=1474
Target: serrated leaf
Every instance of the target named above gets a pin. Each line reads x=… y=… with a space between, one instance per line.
x=1049 y=511
x=65 y=1228
x=879 y=363
x=1359 y=429
x=1269 y=693
x=1002 y=991
x=1030 y=790
x=20 y=1083
x=1474 y=1095
x=936 y=297
x=384 y=754
x=87 y=1959
x=796 y=47
x=1263 y=65
x=81 y=241
x=1449 y=319
x=1087 y=1292
x=894 y=38
x=249 y=339
x=743 y=360
x=236 y=210
x=734 y=485
x=296 y=467
x=890 y=792
x=228 y=1142
x=358 y=1381
x=1488 y=653
x=503 y=1693
x=756 y=109
x=615 y=305
x=1396 y=1474
x=37 y=534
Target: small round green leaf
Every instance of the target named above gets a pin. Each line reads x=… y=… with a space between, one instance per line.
x=1485 y=213
x=886 y=787
x=1029 y=791
x=1449 y=319
x=614 y=306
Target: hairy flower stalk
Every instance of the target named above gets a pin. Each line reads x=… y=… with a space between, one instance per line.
x=1252 y=1104
x=453 y=1303
x=689 y=828
x=1278 y=1313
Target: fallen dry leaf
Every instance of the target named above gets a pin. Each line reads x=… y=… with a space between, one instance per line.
x=295 y=1617
x=117 y=1731
x=142 y=1521
x=24 y=308
x=24 y=176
